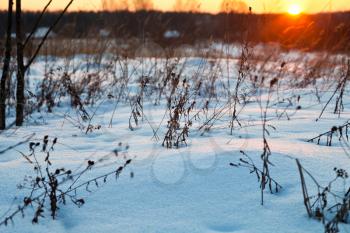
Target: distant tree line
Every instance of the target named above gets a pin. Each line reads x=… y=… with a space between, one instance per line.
x=326 y=31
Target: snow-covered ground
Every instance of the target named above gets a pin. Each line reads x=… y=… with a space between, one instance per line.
x=193 y=188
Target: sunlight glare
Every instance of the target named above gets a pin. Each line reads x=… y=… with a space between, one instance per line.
x=294 y=9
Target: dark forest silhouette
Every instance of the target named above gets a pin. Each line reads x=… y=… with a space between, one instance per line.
x=308 y=32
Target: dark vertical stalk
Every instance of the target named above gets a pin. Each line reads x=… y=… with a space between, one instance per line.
x=20 y=66
x=6 y=67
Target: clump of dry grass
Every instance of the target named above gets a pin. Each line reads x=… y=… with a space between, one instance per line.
x=179 y=109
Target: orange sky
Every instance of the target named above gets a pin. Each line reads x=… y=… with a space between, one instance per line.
x=259 y=6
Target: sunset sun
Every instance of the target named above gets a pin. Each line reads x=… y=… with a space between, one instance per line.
x=294 y=9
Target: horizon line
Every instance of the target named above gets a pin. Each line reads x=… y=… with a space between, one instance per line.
x=184 y=11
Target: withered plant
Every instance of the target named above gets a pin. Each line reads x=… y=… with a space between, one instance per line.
x=137 y=104
x=179 y=109
x=247 y=162
x=329 y=206
x=341 y=132
x=51 y=187
x=339 y=92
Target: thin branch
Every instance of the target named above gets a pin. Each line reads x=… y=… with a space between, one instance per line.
x=18 y=144
x=37 y=23
x=47 y=34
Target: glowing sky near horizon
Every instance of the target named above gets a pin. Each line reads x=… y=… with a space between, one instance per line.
x=213 y=6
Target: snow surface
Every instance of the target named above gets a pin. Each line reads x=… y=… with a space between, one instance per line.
x=188 y=190
x=170 y=34
x=41 y=32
